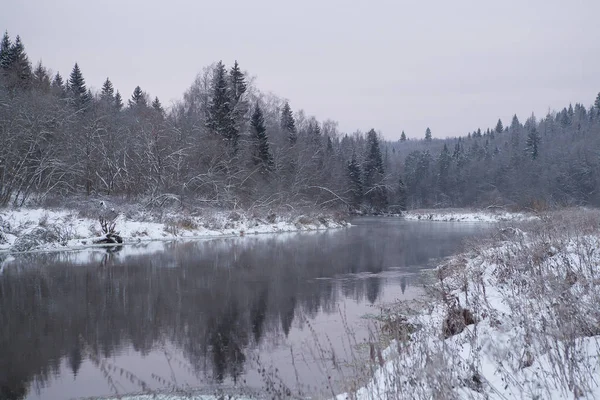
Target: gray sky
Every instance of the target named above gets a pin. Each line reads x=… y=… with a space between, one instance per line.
x=453 y=65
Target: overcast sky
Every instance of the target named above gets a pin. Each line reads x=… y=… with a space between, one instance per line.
x=392 y=65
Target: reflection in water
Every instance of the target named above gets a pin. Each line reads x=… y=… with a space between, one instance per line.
x=213 y=301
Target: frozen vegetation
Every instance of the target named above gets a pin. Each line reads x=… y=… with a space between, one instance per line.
x=467 y=215
x=42 y=229
x=515 y=317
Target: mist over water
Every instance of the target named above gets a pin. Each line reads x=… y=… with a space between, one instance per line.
x=205 y=314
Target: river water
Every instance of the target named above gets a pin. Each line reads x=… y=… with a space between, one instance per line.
x=283 y=313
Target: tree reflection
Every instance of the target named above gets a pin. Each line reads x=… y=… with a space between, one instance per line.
x=213 y=300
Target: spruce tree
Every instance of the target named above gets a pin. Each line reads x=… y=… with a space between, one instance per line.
x=108 y=91
x=288 y=124
x=499 y=126
x=157 y=106
x=20 y=67
x=118 y=101
x=220 y=119
x=533 y=142
x=356 y=184
x=261 y=153
x=373 y=171
x=239 y=105
x=428 y=134
x=138 y=98
x=41 y=79
x=237 y=82
x=403 y=137
x=78 y=94
x=6 y=47
x=58 y=84
x=597 y=103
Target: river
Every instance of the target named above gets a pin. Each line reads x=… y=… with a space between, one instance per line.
x=283 y=313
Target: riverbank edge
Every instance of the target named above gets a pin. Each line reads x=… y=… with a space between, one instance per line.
x=467 y=215
x=489 y=328
x=36 y=230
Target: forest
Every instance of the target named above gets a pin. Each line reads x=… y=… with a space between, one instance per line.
x=226 y=144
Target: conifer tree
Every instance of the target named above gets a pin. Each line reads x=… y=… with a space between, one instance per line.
x=157 y=106
x=238 y=82
x=6 y=47
x=108 y=91
x=533 y=142
x=118 y=101
x=499 y=126
x=58 y=84
x=355 y=184
x=20 y=62
x=428 y=134
x=288 y=124
x=403 y=137
x=237 y=88
x=373 y=172
x=77 y=91
x=138 y=98
x=261 y=153
x=597 y=103
x=41 y=79
x=220 y=119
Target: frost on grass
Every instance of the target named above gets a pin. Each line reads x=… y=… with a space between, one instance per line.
x=25 y=229
x=466 y=215
x=532 y=292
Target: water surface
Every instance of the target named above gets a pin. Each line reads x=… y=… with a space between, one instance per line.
x=268 y=312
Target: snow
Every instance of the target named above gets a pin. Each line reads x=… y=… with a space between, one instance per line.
x=464 y=215
x=537 y=332
x=178 y=397
x=78 y=232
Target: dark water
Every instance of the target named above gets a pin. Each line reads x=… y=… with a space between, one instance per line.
x=263 y=312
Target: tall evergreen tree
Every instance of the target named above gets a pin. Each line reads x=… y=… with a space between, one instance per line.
x=58 y=84
x=41 y=79
x=220 y=119
x=118 y=101
x=238 y=82
x=77 y=91
x=6 y=56
x=428 y=134
x=108 y=91
x=533 y=143
x=157 y=106
x=15 y=63
x=403 y=137
x=597 y=103
x=355 y=181
x=499 y=126
x=138 y=98
x=288 y=124
x=261 y=154
x=373 y=171
x=239 y=105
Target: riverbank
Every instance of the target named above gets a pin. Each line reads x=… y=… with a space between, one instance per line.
x=516 y=316
x=467 y=215
x=44 y=229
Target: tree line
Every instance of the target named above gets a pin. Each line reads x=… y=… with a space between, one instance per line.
x=227 y=144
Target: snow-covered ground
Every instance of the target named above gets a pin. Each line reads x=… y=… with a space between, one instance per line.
x=466 y=215
x=532 y=292
x=38 y=229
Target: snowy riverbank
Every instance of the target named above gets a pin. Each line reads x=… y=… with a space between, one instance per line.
x=38 y=229
x=466 y=215
x=515 y=317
